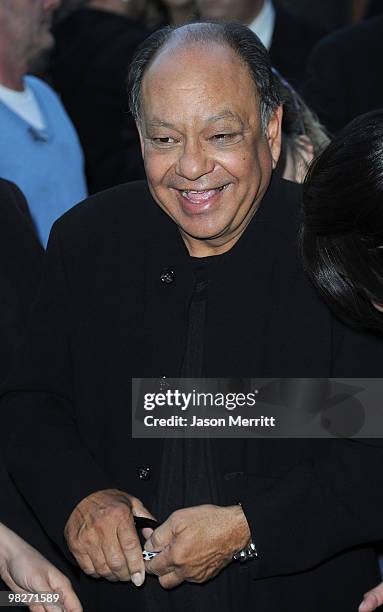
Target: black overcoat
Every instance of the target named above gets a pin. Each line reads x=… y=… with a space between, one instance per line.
x=21 y=257
x=104 y=316
x=89 y=69
x=344 y=74
x=293 y=40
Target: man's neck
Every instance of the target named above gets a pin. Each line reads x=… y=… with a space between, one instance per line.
x=11 y=81
x=208 y=248
x=218 y=245
x=12 y=72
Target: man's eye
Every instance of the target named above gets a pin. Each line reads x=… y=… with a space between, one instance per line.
x=224 y=137
x=163 y=140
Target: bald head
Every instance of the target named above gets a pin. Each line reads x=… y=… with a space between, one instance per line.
x=206 y=36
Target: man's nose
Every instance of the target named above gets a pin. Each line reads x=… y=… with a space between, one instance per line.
x=194 y=162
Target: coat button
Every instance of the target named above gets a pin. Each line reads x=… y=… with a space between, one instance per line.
x=167 y=276
x=143 y=473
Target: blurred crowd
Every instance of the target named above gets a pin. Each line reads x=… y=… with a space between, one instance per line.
x=66 y=132
x=77 y=76
x=94 y=42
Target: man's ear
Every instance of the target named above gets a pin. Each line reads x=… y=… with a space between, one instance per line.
x=274 y=134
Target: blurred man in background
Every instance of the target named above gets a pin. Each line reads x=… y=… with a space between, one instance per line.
x=40 y=149
x=344 y=74
x=334 y=15
x=288 y=38
x=326 y=14
x=94 y=47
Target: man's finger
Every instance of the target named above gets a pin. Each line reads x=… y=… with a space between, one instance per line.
x=97 y=557
x=170 y=581
x=140 y=510
x=147 y=532
x=372 y=600
x=86 y=564
x=160 y=538
x=131 y=547
x=161 y=565
x=115 y=560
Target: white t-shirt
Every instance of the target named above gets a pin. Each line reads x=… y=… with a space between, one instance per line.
x=263 y=25
x=24 y=104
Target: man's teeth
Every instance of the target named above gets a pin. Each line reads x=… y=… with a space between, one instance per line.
x=188 y=192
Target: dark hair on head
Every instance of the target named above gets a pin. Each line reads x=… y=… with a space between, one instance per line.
x=241 y=39
x=342 y=232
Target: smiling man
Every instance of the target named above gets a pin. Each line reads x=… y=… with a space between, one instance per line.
x=195 y=273
x=208 y=147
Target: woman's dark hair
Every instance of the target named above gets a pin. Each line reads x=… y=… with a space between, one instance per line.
x=342 y=231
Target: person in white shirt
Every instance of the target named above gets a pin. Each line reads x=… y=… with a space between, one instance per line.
x=288 y=38
x=41 y=152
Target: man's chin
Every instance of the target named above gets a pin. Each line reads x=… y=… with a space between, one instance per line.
x=203 y=233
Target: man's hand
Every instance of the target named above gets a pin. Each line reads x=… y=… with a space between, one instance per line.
x=102 y=536
x=24 y=570
x=196 y=543
x=372 y=599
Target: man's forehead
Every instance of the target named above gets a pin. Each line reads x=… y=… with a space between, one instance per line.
x=207 y=72
x=193 y=58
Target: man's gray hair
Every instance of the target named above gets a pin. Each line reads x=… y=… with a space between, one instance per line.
x=238 y=37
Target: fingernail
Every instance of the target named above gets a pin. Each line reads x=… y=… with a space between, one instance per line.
x=138 y=578
x=362 y=606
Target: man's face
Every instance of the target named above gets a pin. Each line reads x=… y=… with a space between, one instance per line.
x=27 y=24
x=207 y=158
x=243 y=11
